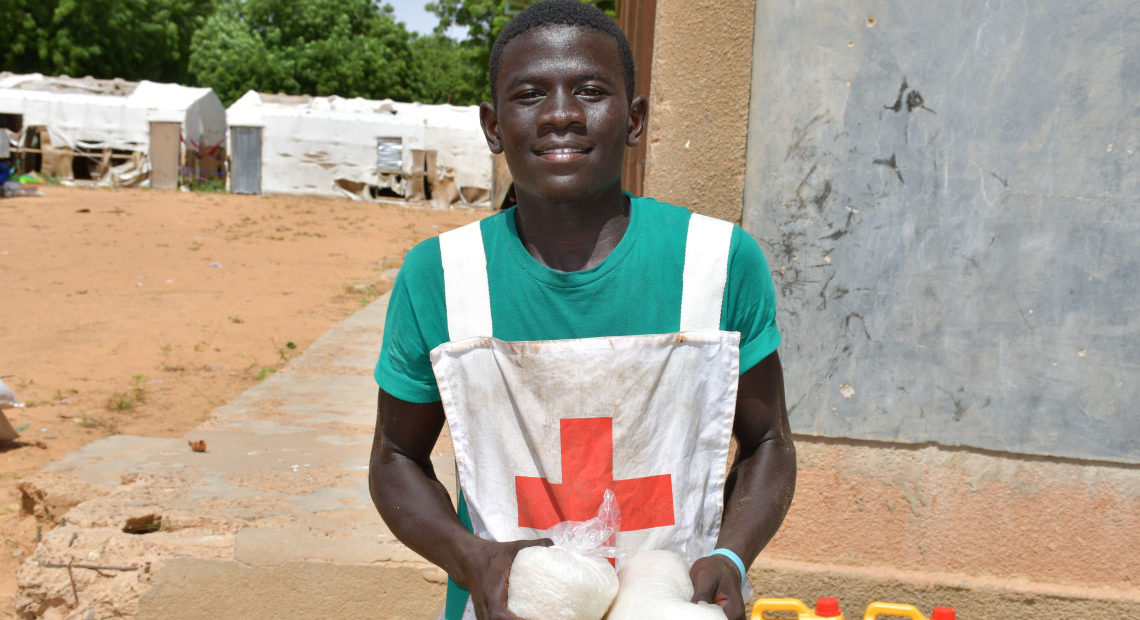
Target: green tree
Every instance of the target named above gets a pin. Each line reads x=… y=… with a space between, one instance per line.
x=132 y=39
x=445 y=71
x=23 y=28
x=351 y=48
x=317 y=47
x=484 y=19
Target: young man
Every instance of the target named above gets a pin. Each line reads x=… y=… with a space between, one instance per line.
x=584 y=340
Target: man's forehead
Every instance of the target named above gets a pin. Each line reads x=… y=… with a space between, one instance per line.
x=553 y=35
x=561 y=46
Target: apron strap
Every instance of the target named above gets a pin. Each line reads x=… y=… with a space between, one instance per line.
x=706 y=271
x=466 y=295
x=468 y=299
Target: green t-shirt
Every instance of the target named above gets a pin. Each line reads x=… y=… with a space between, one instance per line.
x=635 y=290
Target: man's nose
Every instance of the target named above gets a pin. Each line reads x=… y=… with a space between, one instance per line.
x=562 y=110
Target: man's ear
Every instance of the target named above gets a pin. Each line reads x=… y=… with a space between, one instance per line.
x=489 y=121
x=638 y=119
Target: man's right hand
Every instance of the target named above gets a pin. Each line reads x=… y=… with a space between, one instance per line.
x=486 y=571
x=418 y=509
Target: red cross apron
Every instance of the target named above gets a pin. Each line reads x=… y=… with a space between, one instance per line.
x=542 y=428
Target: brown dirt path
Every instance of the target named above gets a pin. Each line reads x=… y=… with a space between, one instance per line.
x=139 y=311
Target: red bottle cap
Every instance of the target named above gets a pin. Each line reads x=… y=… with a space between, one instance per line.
x=827 y=607
x=942 y=613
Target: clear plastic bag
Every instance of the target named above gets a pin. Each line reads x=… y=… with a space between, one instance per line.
x=572 y=580
x=591 y=537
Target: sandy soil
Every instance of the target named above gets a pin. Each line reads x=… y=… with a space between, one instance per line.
x=139 y=311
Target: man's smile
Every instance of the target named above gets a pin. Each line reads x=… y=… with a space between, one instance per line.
x=561 y=153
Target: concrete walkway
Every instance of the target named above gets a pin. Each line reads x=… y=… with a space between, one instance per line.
x=273 y=520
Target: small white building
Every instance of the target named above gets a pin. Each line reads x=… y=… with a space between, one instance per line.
x=362 y=148
x=112 y=131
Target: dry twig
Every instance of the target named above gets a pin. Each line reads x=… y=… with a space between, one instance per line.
x=74 y=590
x=87 y=566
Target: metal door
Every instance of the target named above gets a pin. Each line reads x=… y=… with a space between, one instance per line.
x=247 y=160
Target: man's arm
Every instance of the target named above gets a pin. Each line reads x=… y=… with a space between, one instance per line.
x=759 y=487
x=418 y=510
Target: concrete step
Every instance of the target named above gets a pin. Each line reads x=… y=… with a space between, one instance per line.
x=273 y=520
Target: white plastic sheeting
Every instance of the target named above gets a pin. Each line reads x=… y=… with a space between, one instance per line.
x=112 y=114
x=310 y=143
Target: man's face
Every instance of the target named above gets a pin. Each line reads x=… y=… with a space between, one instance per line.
x=562 y=116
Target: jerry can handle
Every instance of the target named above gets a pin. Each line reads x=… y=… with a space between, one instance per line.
x=778 y=604
x=874 y=610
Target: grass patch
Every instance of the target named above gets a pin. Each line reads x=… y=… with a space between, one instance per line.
x=129 y=399
x=120 y=401
x=210 y=186
x=283 y=352
x=107 y=426
x=367 y=291
x=261 y=371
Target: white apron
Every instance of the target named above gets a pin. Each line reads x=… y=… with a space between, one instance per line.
x=542 y=428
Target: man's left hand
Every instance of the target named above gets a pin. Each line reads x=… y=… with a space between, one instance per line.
x=717 y=580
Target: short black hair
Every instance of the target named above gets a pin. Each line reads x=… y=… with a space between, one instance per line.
x=568 y=13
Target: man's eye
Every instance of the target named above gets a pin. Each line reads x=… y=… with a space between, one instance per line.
x=590 y=91
x=528 y=95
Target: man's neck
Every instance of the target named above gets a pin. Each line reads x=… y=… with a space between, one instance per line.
x=573 y=237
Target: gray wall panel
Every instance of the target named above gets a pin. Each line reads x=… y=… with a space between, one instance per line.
x=948 y=196
x=247 y=160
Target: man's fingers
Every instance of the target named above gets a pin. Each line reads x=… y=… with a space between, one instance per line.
x=733 y=607
x=480 y=607
x=537 y=542
x=704 y=585
x=494 y=609
x=494 y=600
x=716 y=582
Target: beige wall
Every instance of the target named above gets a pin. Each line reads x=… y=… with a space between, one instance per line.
x=962 y=527
x=698 y=104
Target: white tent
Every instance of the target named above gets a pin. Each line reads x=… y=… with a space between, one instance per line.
x=362 y=148
x=90 y=115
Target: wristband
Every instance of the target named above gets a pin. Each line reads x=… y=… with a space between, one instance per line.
x=730 y=554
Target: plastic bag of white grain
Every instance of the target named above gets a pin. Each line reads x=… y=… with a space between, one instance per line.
x=572 y=580
x=656 y=584
x=553 y=583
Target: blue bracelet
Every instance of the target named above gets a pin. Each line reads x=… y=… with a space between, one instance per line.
x=730 y=554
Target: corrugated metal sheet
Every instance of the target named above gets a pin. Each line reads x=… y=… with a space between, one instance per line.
x=247 y=160
x=389 y=154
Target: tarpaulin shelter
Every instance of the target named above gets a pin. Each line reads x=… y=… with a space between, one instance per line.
x=366 y=149
x=113 y=131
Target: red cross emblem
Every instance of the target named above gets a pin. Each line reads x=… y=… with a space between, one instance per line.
x=587 y=471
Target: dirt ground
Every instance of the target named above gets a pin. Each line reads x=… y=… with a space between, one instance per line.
x=139 y=311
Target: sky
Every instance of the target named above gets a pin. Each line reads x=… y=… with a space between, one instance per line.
x=412 y=13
